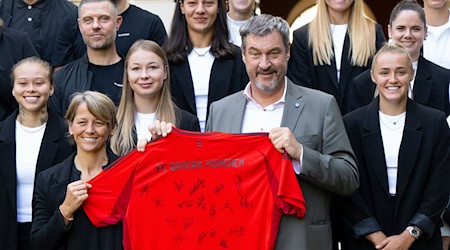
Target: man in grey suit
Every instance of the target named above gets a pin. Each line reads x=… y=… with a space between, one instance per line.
x=306 y=123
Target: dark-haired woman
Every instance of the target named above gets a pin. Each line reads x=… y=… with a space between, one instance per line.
x=429 y=86
x=204 y=65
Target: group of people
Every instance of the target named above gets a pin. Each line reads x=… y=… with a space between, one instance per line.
x=364 y=121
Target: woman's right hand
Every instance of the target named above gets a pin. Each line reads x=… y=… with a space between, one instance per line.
x=76 y=193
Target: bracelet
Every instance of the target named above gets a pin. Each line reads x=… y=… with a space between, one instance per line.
x=64 y=216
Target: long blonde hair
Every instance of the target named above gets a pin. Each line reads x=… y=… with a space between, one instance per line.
x=123 y=140
x=361 y=31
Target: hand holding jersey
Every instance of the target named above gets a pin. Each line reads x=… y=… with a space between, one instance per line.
x=283 y=139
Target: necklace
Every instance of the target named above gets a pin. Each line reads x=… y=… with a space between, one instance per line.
x=393 y=122
x=202 y=51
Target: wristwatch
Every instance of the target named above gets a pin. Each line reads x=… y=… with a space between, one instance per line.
x=414 y=232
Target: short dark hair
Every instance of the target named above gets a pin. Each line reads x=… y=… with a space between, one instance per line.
x=96 y=1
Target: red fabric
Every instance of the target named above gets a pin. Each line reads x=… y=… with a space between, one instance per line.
x=194 y=190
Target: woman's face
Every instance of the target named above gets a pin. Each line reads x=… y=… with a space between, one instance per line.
x=409 y=31
x=392 y=73
x=200 y=15
x=243 y=7
x=32 y=86
x=89 y=133
x=146 y=73
x=436 y=4
x=339 y=6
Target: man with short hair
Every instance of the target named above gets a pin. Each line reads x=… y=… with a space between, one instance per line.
x=136 y=24
x=239 y=12
x=305 y=123
x=101 y=68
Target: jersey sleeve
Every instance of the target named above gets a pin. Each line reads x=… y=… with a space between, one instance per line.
x=111 y=190
x=289 y=193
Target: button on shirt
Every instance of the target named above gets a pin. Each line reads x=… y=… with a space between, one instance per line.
x=27 y=18
x=263 y=119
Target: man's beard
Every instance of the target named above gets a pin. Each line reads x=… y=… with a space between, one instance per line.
x=272 y=85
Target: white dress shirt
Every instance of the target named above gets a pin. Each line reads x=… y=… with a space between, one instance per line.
x=263 y=119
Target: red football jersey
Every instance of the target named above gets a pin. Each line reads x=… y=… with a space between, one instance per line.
x=194 y=190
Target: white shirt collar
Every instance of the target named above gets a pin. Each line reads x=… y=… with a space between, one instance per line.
x=248 y=95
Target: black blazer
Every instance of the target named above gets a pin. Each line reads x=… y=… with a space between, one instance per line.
x=186 y=120
x=430 y=87
x=54 y=149
x=48 y=231
x=227 y=77
x=421 y=184
x=302 y=71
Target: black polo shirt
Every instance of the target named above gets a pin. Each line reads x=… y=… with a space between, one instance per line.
x=27 y=18
x=41 y=21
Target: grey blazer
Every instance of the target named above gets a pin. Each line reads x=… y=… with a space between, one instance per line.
x=328 y=161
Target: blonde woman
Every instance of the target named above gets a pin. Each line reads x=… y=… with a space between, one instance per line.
x=335 y=47
x=407 y=27
x=402 y=152
x=146 y=98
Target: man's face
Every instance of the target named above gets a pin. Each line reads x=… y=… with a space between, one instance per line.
x=265 y=59
x=98 y=24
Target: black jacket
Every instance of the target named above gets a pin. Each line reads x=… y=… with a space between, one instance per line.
x=54 y=149
x=302 y=71
x=73 y=77
x=227 y=77
x=421 y=192
x=48 y=231
x=14 y=46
